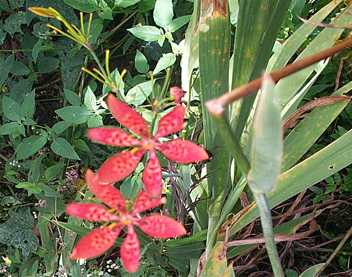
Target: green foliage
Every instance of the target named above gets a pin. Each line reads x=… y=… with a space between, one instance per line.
x=17 y=232
x=48 y=103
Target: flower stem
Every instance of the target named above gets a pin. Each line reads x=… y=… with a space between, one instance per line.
x=266 y=221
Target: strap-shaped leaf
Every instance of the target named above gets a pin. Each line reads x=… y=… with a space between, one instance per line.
x=267 y=141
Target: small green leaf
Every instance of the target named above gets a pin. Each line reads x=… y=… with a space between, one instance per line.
x=47 y=64
x=11 y=109
x=19 y=69
x=147 y=33
x=139 y=93
x=54 y=171
x=178 y=23
x=28 y=105
x=74 y=114
x=312 y=271
x=165 y=61
x=125 y=3
x=90 y=101
x=63 y=148
x=141 y=63
x=72 y=97
x=87 y=6
x=12 y=128
x=60 y=127
x=267 y=141
x=163 y=12
x=95 y=121
x=31 y=188
x=31 y=145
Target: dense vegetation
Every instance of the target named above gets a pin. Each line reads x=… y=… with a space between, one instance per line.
x=185 y=178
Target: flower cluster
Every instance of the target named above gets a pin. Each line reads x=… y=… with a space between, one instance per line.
x=117 y=216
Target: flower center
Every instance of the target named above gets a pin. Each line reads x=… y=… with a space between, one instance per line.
x=148 y=144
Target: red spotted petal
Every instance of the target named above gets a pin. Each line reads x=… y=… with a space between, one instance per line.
x=128 y=117
x=152 y=176
x=172 y=122
x=144 y=202
x=112 y=136
x=106 y=193
x=177 y=94
x=95 y=243
x=162 y=227
x=90 y=211
x=183 y=151
x=119 y=166
x=130 y=251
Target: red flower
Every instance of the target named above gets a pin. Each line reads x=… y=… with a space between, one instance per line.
x=124 y=163
x=101 y=239
x=177 y=94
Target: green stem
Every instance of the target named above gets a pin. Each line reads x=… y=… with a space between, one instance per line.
x=266 y=221
x=96 y=59
x=232 y=143
x=166 y=83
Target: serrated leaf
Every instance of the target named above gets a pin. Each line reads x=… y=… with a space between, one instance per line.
x=165 y=61
x=74 y=114
x=163 y=12
x=147 y=33
x=11 y=109
x=72 y=97
x=141 y=63
x=63 y=148
x=139 y=93
x=31 y=145
x=267 y=140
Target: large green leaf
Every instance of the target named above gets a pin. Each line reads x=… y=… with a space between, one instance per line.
x=267 y=141
x=163 y=13
x=289 y=86
x=257 y=27
x=307 y=132
x=292 y=44
x=63 y=148
x=31 y=145
x=314 y=169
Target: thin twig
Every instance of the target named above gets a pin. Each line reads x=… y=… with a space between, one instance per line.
x=216 y=106
x=336 y=251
